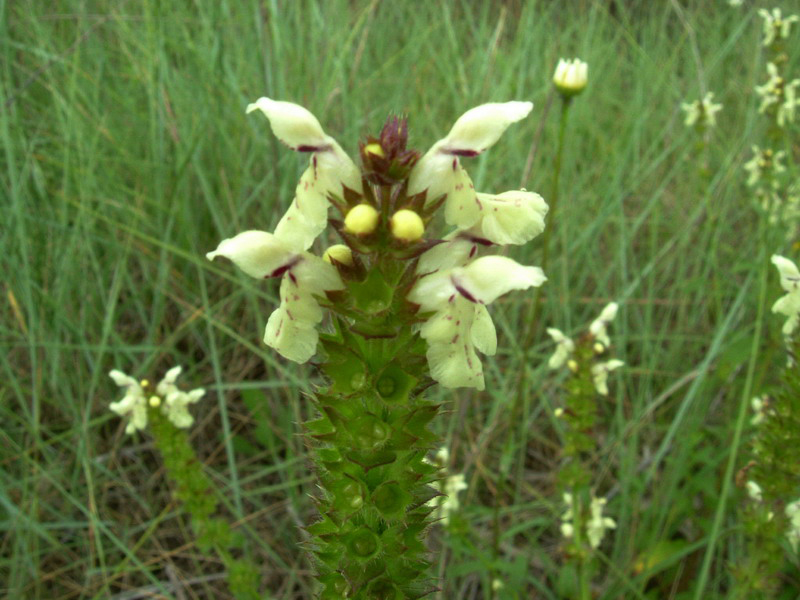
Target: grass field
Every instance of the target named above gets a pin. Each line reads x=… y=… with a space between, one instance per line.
x=126 y=156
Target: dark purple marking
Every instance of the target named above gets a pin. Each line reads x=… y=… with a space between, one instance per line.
x=466 y=294
x=464 y=153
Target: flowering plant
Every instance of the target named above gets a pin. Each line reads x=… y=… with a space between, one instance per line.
x=406 y=306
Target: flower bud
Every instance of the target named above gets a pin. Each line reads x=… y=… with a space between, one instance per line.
x=571 y=76
x=572 y=365
x=361 y=220
x=340 y=253
x=407 y=226
x=154 y=401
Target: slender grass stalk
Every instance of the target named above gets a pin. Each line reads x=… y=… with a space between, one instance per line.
x=533 y=313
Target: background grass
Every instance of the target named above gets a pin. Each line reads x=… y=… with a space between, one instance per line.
x=126 y=156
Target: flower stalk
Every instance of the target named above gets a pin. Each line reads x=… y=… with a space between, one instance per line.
x=163 y=410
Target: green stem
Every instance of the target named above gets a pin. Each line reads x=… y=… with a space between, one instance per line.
x=198 y=495
x=369 y=440
x=553 y=202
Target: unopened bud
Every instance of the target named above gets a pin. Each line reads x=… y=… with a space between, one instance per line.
x=558 y=413
x=361 y=220
x=599 y=348
x=375 y=149
x=144 y=383
x=155 y=401
x=340 y=253
x=571 y=76
x=407 y=225
x=572 y=365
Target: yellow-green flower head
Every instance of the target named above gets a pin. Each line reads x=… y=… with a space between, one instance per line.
x=362 y=219
x=176 y=401
x=776 y=27
x=701 y=112
x=172 y=401
x=778 y=96
x=439 y=172
x=597 y=525
x=571 y=76
x=291 y=329
x=330 y=170
x=406 y=225
x=788 y=305
x=764 y=164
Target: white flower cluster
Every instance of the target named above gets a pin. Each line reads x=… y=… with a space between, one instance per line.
x=595 y=527
x=788 y=305
x=571 y=76
x=174 y=403
x=776 y=27
x=764 y=164
x=701 y=112
x=454 y=285
x=598 y=330
x=754 y=491
x=793 y=513
x=779 y=95
x=760 y=406
x=450 y=487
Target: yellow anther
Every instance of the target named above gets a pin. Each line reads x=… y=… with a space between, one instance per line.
x=155 y=401
x=375 y=149
x=361 y=220
x=407 y=225
x=340 y=253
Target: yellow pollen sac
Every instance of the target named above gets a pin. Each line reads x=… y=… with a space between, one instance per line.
x=407 y=225
x=375 y=149
x=361 y=220
x=155 y=401
x=340 y=253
